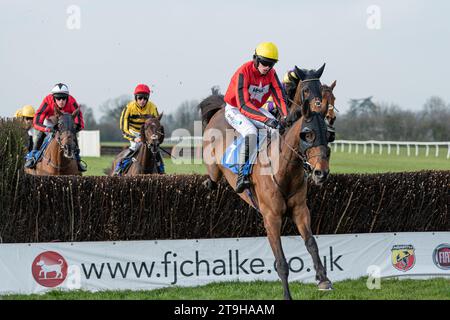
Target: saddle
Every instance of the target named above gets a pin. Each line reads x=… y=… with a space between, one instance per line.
x=125 y=163
x=230 y=158
x=39 y=153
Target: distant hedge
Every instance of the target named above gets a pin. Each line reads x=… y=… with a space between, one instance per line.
x=40 y=209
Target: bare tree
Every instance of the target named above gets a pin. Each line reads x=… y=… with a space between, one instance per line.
x=434 y=120
x=389 y=122
x=183 y=117
x=88 y=115
x=109 y=122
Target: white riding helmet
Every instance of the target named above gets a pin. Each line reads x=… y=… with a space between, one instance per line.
x=60 y=89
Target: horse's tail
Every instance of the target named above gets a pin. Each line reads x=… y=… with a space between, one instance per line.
x=209 y=106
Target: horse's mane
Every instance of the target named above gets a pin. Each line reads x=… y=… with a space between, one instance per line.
x=209 y=106
x=65 y=117
x=295 y=110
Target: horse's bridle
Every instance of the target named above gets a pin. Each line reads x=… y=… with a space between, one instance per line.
x=329 y=104
x=59 y=140
x=318 y=101
x=303 y=145
x=153 y=145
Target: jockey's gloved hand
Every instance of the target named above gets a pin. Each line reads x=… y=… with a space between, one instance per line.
x=273 y=123
x=282 y=126
x=50 y=129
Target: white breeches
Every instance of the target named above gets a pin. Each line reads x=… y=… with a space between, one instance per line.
x=244 y=125
x=133 y=144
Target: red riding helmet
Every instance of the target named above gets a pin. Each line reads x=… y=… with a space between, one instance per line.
x=142 y=88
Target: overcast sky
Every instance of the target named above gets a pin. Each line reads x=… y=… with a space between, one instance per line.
x=182 y=48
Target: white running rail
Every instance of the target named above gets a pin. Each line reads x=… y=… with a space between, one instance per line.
x=412 y=147
x=369 y=146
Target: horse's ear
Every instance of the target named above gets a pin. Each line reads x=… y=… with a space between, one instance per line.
x=160 y=116
x=75 y=113
x=320 y=71
x=300 y=73
x=333 y=85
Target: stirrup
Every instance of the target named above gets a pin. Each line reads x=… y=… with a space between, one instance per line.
x=82 y=166
x=118 y=169
x=30 y=163
x=242 y=183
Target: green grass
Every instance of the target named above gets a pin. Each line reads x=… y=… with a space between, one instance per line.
x=434 y=289
x=96 y=166
x=344 y=162
x=341 y=162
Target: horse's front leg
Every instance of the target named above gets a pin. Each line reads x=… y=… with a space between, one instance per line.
x=272 y=223
x=302 y=219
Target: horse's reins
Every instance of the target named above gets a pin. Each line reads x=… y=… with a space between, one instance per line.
x=61 y=148
x=332 y=106
x=306 y=165
x=149 y=145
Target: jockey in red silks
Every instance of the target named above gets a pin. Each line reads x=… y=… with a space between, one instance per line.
x=250 y=87
x=58 y=98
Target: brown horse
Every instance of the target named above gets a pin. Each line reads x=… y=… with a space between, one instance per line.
x=327 y=96
x=329 y=99
x=303 y=145
x=59 y=156
x=152 y=133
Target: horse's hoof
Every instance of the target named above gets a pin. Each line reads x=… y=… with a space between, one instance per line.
x=325 y=286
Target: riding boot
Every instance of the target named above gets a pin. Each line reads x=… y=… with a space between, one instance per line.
x=38 y=139
x=81 y=165
x=118 y=169
x=243 y=181
x=160 y=164
x=30 y=143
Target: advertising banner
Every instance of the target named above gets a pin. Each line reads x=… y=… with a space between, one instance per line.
x=139 y=265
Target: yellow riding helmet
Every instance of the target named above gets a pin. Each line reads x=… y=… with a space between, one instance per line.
x=267 y=50
x=18 y=113
x=28 y=111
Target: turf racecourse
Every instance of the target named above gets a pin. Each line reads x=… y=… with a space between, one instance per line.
x=341 y=162
x=389 y=289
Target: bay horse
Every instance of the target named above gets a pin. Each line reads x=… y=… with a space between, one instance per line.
x=152 y=134
x=327 y=96
x=59 y=156
x=303 y=150
x=329 y=99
